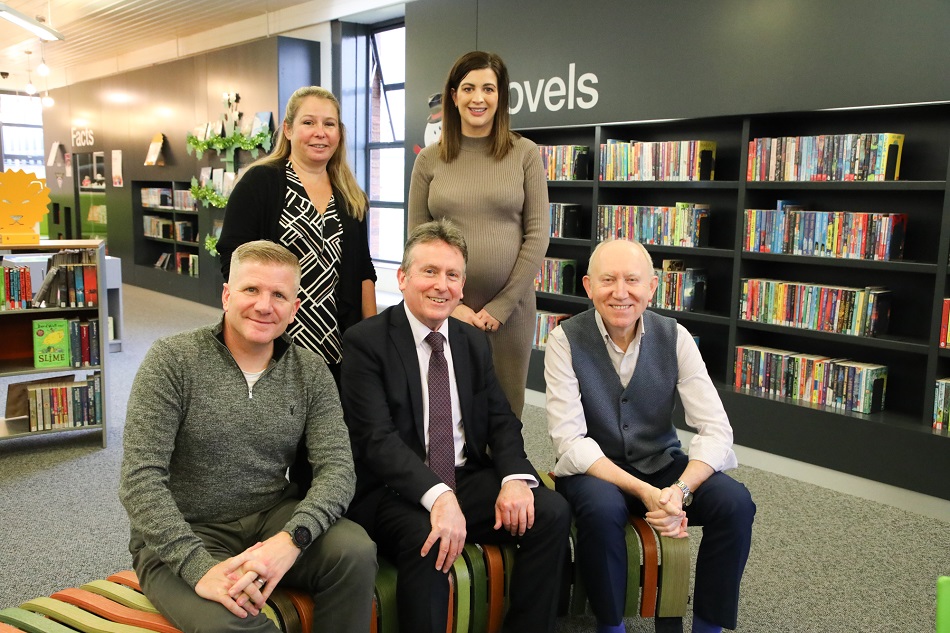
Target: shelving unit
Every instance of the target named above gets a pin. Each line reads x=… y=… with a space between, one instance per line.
x=16 y=353
x=203 y=287
x=889 y=446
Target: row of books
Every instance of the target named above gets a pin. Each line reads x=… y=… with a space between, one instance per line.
x=566 y=219
x=566 y=162
x=658 y=160
x=67 y=404
x=181 y=230
x=166 y=198
x=843 y=234
x=834 y=157
x=545 y=324
x=682 y=225
x=941 y=421
x=65 y=343
x=557 y=275
x=65 y=285
x=16 y=288
x=839 y=383
x=181 y=262
x=680 y=288
x=838 y=309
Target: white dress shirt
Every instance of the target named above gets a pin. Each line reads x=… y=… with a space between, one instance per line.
x=423 y=352
x=567 y=426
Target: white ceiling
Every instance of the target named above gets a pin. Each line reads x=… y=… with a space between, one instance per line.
x=104 y=37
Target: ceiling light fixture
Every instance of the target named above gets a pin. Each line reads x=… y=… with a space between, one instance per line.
x=35 y=27
x=29 y=89
x=48 y=100
x=42 y=70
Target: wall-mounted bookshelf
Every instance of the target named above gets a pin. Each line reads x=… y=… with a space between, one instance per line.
x=886 y=446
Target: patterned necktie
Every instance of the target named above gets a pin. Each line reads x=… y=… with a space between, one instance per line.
x=441 y=437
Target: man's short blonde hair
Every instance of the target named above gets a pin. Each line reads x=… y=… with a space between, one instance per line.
x=265 y=252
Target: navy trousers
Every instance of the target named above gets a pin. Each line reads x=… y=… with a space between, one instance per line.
x=721 y=505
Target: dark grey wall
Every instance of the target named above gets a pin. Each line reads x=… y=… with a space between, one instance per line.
x=683 y=58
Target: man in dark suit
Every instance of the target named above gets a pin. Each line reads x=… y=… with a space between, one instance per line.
x=488 y=491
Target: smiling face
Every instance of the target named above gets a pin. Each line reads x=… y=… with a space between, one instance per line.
x=476 y=98
x=259 y=303
x=621 y=283
x=314 y=134
x=432 y=287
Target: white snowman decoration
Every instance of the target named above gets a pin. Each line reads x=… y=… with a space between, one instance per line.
x=433 y=131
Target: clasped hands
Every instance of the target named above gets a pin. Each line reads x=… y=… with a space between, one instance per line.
x=514 y=511
x=665 y=511
x=236 y=582
x=481 y=319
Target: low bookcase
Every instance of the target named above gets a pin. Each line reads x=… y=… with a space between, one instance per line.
x=18 y=370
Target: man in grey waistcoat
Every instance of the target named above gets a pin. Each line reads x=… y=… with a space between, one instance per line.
x=612 y=376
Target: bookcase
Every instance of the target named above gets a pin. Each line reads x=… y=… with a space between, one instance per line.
x=895 y=446
x=169 y=232
x=17 y=356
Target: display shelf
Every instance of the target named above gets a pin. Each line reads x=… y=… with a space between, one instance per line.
x=16 y=330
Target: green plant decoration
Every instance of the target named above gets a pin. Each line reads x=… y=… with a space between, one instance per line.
x=224 y=143
x=207 y=195
x=211 y=244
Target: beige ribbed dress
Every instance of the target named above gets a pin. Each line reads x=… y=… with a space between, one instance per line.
x=502 y=209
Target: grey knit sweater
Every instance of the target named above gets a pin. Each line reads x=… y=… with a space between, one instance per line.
x=199 y=447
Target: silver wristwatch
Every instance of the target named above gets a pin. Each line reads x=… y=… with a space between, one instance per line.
x=687 y=494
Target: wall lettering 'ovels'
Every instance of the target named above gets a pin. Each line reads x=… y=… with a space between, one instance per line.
x=555 y=93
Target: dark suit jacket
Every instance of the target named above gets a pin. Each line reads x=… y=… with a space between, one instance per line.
x=382 y=405
x=253 y=213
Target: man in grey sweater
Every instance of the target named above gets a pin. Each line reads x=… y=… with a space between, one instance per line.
x=213 y=422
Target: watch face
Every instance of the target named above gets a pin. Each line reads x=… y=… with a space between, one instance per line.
x=302 y=536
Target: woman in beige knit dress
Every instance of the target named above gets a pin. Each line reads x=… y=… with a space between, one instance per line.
x=489 y=181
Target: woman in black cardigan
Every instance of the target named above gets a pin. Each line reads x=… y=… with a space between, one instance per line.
x=304 y=196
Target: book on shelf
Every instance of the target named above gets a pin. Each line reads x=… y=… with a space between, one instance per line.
x=163 y=260
x=16 y=288
x=944 y=318
x=853 y=311
x=566 y=162
x=154 y=154
x=64 y=403
x=831 y=157
x=941 y=417
x=837 y=383
x=545 y=323
x=50 y=343
x=685 y=224
x=557 y=275
x=17 y=403
x=90 y=278
x=686 y=160
x=565 y=219
x=841 y=234
x=680 y=288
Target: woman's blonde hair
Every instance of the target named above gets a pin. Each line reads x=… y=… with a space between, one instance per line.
x=341 y=176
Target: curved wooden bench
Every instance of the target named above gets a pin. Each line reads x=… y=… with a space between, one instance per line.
x=111 y=610
x=31 y=622
x=77 y=618
x=121 y=594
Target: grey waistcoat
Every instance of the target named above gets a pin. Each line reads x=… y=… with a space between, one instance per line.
x=633 y=426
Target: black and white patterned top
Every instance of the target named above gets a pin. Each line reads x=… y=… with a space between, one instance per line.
x=316 y=239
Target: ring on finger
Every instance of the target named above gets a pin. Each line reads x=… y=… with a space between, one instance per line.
x=260 y=582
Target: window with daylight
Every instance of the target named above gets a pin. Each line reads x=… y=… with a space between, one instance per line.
x=387 y=82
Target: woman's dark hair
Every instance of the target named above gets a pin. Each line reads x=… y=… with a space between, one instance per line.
x=501 y=135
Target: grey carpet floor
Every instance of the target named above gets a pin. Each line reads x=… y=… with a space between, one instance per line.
x=821 y=561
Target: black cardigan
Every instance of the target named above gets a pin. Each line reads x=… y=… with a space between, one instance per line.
x=253 y=213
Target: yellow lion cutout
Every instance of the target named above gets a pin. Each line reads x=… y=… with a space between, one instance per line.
x=23 y=202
